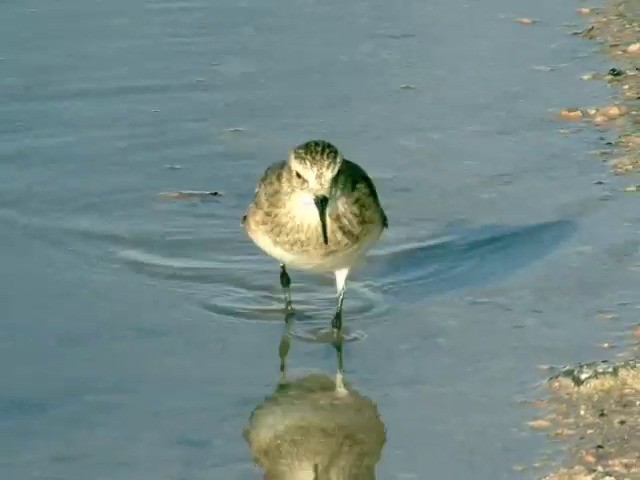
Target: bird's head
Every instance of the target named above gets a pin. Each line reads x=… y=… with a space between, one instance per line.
x=313 y=166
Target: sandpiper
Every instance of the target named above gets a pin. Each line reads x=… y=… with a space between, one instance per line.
x=315 y=211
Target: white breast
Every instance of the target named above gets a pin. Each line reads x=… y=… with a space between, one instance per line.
x=304 y=209
x=305 y=213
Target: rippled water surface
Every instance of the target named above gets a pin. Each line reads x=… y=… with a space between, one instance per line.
x=138 y=334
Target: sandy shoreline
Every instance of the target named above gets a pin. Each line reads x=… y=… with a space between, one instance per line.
x=592 y=411
x=616 y=28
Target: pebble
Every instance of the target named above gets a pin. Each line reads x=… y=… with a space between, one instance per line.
x=584 y=11
x=589 y=33
x=626 y=164
x=600 y=119
x=631 y=140
x=633 y=48
x=571 y=114
x=615 y=72
x=569 y=131
x=539 y=424
x=613 y=111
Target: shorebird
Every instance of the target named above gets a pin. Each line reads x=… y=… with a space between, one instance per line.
x=315 y=211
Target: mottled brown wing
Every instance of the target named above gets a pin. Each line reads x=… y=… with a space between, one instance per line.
x=270 y=175
x=352 y=178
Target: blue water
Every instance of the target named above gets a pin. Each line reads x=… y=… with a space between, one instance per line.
x=137 y=334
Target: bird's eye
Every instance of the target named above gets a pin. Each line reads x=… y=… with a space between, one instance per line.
x=298 y=176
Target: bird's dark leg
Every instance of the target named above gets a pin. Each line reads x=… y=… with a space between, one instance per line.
x=285 y=282
x=336 y=323
x=337 y=344
x=341 y=278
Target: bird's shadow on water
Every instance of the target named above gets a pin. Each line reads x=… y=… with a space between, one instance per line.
x=465 y=258
x=456 y=259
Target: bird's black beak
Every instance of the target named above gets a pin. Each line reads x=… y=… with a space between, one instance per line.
x=321 y=202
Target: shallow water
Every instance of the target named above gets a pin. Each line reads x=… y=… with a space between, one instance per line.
x=138 y=334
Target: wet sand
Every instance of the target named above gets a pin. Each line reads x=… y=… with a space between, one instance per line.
x=593 y=413
x=592 y=410
x=616 y=27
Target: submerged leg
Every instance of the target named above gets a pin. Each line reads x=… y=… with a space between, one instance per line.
x=341 y=278
x=285 y=282
x=285 y=345
x=337 y=344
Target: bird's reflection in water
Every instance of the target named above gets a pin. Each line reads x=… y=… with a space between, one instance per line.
x=315 y=427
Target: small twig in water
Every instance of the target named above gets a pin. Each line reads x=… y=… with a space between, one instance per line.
x=183 y=194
